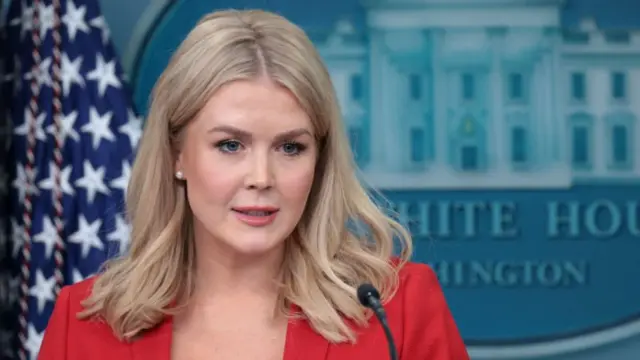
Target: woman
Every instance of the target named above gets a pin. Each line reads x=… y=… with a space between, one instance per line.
x=248 y=222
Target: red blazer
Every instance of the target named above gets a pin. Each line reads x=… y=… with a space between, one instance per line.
x=418 y=315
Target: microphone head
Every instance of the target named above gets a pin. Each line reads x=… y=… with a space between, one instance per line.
x=367 y=291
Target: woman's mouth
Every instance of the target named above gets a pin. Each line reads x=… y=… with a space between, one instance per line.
x=256 y=216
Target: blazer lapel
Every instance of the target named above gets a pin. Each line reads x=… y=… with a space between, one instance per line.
x=303 y=343
x=155 y=344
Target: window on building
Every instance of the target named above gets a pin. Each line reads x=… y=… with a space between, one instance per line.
x=468 y=86
x=617 y=37
x=580 y=146
x=415 y=86
x=519 y=144
x=575 y=37
x=417 y=145
x=469 y=161
x=356 y=87
x=515 y=86
x=578 y=86
x=618 y=85
x=429 y=146
x=620 y=144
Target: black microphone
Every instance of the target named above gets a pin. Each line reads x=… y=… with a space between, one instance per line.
x=369 y=297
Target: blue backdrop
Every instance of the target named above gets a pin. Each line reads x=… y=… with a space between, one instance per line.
x=505 y=134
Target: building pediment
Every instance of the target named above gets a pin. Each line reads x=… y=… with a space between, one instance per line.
x=457 y=3
x=427 y=14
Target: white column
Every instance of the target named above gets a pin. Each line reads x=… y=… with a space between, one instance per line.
x=440 y=103
x=559 y=150
x=376 y=114
x=540 y=133
x=385 y=110
x=600 y=147
x=598 y=108
x=548 y=120
x=392 y=117
x=500 y=161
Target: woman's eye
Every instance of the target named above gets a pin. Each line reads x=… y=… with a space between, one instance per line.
x=293 y=148
x=229 y=146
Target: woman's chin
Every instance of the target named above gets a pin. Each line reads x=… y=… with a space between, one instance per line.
x=256 y=247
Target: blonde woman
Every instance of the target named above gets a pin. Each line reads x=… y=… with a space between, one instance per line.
x=240 y=202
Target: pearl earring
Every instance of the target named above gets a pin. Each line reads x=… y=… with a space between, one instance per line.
x=179 y=175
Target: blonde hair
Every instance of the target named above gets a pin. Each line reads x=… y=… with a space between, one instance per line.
x=343 y=238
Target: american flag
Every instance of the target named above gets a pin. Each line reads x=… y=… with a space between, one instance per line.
x=73 y=135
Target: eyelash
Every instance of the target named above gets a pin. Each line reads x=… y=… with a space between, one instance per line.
x=300 y=147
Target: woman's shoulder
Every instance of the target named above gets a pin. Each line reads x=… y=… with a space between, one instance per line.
x=418 y=283
x=415 y=274
x=69 y=302
x=76 y=293
x=71 y=337
x=422 y=316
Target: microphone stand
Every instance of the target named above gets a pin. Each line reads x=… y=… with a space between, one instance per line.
x=369 y=297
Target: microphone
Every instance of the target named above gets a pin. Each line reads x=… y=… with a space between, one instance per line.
x=369 y=297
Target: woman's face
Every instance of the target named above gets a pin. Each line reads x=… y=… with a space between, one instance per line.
x=248 y=161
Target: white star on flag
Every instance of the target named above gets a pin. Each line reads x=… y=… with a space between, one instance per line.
x=25 y=19
x=74 y=19
x=92 y=181
x=67 y=127
x=34 y=341
x=121 y=233
x=23 y=184
x=87 y=236
x=101 y=25
x=47 y=19
x=99 y=127
x=42 y=290
x=42 y=73
x=70 y=73
x=17 y=238
x=104 y=74
x=123 y=181
x=48 y=236
x=64 y=175
x=23 y=129
x=133 y=128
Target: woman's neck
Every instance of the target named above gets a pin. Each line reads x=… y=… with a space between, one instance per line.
x=223 y=278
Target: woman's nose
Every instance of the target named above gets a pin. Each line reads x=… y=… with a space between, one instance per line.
x=260 y=174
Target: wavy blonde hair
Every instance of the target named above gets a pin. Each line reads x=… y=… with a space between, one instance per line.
x=342 y=239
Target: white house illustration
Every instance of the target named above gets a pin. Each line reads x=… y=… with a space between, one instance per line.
x=486 y=93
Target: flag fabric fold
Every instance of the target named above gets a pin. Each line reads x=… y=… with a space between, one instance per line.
x=73 y=131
